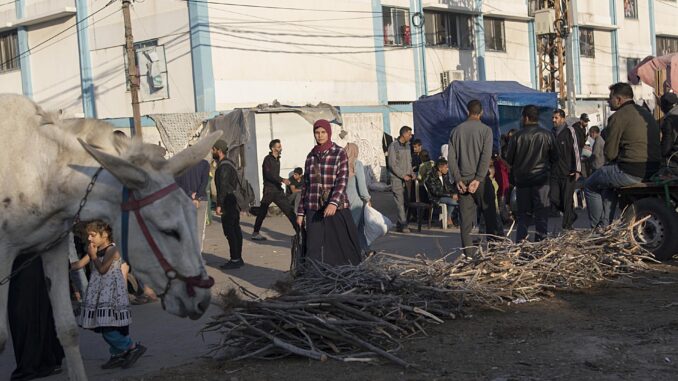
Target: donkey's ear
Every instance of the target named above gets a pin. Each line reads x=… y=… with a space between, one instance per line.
x=192 y=155
x=127 y=173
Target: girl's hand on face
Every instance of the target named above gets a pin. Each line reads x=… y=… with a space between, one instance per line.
x=91 y=249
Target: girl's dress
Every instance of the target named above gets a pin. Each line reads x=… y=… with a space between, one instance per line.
x=106 y=303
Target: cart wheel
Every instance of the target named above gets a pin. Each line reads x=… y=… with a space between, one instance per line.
x=658 y=233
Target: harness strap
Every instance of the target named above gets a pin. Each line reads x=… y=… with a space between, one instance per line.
x=170 y=272
x=125 y=226
x=134 y=204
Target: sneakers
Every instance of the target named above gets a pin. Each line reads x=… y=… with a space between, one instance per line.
x=115 y=361
x=133 y=355
x=258 y=237
x=232 y=265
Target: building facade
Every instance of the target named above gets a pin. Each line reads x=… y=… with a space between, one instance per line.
x=371 y=58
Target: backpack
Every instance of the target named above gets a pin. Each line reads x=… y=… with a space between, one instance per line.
x=244 y=194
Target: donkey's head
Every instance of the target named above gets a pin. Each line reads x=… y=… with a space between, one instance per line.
x=164 y=217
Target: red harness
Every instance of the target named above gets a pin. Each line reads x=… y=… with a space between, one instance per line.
x=135 y=206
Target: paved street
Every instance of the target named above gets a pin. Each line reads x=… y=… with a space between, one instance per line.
x=173 y=341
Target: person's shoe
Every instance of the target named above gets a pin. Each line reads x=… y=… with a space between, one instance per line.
x=404 y=229
x=133 y=355
x=258 y=237
x=115 y=361
x=232 y=265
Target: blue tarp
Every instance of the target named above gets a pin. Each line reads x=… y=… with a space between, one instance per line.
x=435 y=116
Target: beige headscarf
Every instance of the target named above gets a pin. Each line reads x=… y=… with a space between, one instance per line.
x=352 y=153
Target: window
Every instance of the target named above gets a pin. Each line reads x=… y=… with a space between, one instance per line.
x=494 y=34
x=667 y=45
x=448 y=29
x=630 y=64
x=536 y=5
x=152 y=70
x=630 y=9
x=396 y=26
x=587 y=48
x=9 y=51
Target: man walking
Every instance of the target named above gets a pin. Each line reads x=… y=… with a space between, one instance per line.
x=470 y=153
x=400 y=167
x=226 y=181
x=632 y=151
x=567 y=170
x=273 y=192
x=194 y=183
x=531 y=152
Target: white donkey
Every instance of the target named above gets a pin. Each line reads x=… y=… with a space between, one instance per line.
x=46 y=165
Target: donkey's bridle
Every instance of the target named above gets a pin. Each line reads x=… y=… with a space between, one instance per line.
x=135 y=205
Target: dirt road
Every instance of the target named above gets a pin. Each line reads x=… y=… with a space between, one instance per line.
x=626 y=329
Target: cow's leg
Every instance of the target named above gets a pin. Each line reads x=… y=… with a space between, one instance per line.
x=55 y=263
x=6 y=260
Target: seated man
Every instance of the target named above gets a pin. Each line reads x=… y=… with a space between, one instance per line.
x=293 y=190
x=441 y=189
x=631 y=150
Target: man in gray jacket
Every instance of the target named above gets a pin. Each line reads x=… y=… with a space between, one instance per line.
x=400 y=168
x=469 y=156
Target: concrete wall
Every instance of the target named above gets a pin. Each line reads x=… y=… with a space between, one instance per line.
x=10 y=82
x=514 y=64
x=152 y=19
x=295 y=57
x=596 y=73
x=665 y=17
x=55 y=86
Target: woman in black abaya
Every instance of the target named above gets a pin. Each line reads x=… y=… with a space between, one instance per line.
x=37 y=350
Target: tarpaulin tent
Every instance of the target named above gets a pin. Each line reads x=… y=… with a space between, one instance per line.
x=435 y=116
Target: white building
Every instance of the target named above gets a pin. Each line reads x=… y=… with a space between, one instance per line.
x=371 y=58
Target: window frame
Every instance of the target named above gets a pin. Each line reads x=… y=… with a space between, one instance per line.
x=633 y=16
x=450 y=21
x=592 y=43
x=667 y=41
x=502 y=41
x=404 y=37
x=9 y=62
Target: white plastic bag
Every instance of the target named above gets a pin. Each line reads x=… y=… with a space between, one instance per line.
x=375 y=224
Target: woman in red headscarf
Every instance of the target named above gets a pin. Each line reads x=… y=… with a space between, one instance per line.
x=331 y=234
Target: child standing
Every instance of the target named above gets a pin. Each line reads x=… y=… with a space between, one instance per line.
x=106 y=305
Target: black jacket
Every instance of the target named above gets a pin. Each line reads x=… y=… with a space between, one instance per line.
x=436 y=188
x=531 y=153
x=271 y=171
x=226 y=181
x=582 y=136
x=569 y=157
x=669 y=129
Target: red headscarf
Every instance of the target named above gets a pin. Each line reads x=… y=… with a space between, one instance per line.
x=325 y=125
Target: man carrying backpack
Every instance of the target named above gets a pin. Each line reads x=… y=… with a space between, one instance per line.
x=227 y=183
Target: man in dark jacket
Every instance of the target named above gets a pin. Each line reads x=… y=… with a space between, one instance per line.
x=581 y=128
x=669 y=126
x=531 y=153
x=440 y=188
x=226 y=181
x=566 y=171
x=632 y=152
x=273 y=192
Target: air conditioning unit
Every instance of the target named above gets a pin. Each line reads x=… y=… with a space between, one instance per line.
x=449 y=76
x=544 y=20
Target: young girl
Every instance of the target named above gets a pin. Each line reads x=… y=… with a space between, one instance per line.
x=105 y=307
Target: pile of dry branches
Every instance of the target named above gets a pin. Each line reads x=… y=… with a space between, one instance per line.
x=361 y=313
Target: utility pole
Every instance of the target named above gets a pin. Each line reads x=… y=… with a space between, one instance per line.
x=132 y=68
x=570 y=13
x=551 y=47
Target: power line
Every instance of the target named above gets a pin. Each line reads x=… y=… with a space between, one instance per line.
x=278 y=8
x=29 y=50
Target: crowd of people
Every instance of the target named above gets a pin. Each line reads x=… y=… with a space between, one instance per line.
x=326 y=200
